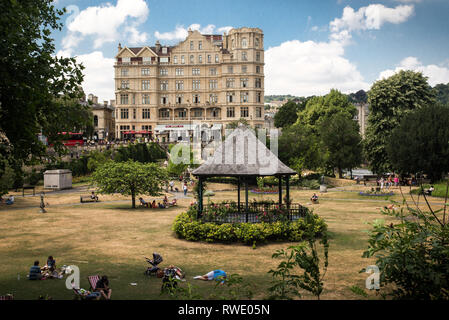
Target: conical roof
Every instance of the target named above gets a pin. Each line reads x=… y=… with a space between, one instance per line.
x=242 y=154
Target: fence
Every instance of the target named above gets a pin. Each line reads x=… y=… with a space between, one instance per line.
x=257 y=212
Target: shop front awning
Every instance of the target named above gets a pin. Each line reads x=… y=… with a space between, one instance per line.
x=175 y=127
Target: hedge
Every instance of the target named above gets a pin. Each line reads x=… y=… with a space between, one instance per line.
x=187 y=227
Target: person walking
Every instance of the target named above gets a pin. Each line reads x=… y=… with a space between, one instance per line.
x=185 y=189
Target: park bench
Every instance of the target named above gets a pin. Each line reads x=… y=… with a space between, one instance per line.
x=28 y=188
x=88 y=199
x=7 y=297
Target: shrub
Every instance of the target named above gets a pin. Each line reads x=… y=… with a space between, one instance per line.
x=187 y=227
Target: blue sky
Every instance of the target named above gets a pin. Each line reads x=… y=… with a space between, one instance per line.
x=310 y=46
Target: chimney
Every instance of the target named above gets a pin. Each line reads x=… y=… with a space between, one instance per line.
x=95 y=99
x=105 y=103
x=112 y=103
x=119 y=46
x=158 y=46
x=190 y=31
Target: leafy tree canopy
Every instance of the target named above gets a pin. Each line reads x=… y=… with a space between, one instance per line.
x=442 y=93
x=32 y=77
x=318 y=108
x=390 y=99
x=130 y=178
x=342 y=141
x=421 y=142
x=287 y=114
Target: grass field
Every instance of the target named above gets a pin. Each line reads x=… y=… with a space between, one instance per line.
x=110 y=238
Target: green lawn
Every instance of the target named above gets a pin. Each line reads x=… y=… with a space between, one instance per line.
x=110 y=238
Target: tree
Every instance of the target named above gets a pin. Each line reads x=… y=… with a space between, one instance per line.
x=300 y=148
x=358 y=97
x=412 y=254
x=421 y=142
x=130 y=178
x=32 y=77
x=342 y=140
x=442 y=93
x=234 y=124
x=319 y=108
x=141 y=152
x=390 y=99
x=287 y=114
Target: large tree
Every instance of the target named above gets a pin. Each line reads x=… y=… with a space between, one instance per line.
x=390 y=99
x=300 y=148
x=130 y=178
x=32 y=78
x=421 y=142
x=342 y=141
x=319 y=108
x=287 y=114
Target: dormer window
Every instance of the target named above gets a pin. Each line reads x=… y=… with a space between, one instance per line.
x=164 y=50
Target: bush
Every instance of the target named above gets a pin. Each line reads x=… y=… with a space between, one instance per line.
x=187 y=227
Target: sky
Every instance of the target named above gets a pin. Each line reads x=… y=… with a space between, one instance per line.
x=310 y=46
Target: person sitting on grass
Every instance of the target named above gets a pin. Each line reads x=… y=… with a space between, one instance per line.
x=429 y=191
x=217 y=275
x=51 y=264
x=160 y=205
x=153 y=204
x=143 y=203
x=103 y=287
x=10 y=200
x=35 y=272
x=93 y=196
x=165 y=201
x=314 y=198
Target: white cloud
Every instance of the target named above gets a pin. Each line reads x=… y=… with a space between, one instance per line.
x=436 y=74
x=107 y=23
x=98 y=73
x=313 y=68
x=180 y=32
x=371 y=17
x=310 y=68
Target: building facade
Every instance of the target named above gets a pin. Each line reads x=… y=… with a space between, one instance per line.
x=103 y=117
x=210 y=79
x=362 y=116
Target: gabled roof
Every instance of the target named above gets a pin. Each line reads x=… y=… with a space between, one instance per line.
x=242 y=154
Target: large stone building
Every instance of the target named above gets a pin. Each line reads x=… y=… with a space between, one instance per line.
x=211 y=79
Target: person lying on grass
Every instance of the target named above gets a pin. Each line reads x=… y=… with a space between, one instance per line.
x=217 y=275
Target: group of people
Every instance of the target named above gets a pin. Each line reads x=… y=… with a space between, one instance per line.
x=388 y=182
x=165 y=203
x=47 y=271
x=185 y=188
x=8 y=201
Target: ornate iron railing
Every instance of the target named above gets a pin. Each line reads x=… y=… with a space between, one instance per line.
x=255 y=213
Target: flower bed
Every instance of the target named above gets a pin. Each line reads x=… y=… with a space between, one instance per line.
x=377 y=194
x=186 y=226
x=264 y=191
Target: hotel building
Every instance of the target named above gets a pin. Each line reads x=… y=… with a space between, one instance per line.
x=206 y=79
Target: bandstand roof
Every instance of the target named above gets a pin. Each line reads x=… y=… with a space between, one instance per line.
x=242 y=154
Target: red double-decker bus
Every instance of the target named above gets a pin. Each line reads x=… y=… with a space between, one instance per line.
x=71 y=139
